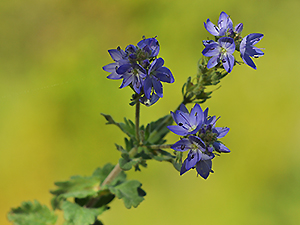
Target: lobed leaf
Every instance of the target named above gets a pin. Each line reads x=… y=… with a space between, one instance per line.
x=74 y=214
x=32 y=214
x=130 y=192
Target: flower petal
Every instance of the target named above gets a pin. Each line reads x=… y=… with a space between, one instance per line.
x=246 y=58
x=157 y=87
x=213 y=62
x=220 y=147
x=203 y=168
x=182 y=145
x=212 y=49
x=147 y=86
x=211 y=28
x=164 y=74
x=128 y=79
x=123 y=68
x=196 y=140
x=221 y=131
x=116 y=54
x=228 y=62
x=178 y=130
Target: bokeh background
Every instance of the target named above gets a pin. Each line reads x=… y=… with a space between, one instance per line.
x=53 y=88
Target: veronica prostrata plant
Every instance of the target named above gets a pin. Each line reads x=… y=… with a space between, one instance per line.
x=84 y=199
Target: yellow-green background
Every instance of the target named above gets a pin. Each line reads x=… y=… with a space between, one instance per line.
x=53 y=88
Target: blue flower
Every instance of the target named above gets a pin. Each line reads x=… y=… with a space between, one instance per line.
x=197 y=157
x=224 y=24
x=140 y=69
x=211 y=133
x=157 y=73
x=238 y=28
x=119 y=56
x=132 y=74
x=148 y=102
x=220 y=51
x=248 y=49
x=149 y=45
x=187 y=123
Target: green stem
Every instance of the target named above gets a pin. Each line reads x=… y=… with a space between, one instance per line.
x=117 y=169
x=137 y=122
x=159 y=146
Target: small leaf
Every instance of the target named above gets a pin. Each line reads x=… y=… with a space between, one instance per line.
x=163 y=156
x=77 y=186
x=158 y=130
x=130 y=192
x=122 y=126
x=32 y=214
x=77 y=215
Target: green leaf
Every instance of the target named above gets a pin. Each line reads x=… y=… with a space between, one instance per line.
x=77 y=186
x=126 y=128
x=77 y=215
x=156 y=131
x=130 y=192
x=126 y=163
x=163 y=156
x=32 y=214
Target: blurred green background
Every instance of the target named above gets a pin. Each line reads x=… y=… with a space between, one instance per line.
x=53 y=88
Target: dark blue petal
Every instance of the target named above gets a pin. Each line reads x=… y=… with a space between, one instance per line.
x=246 y=58
x=203 y=168
x=130 y=49
x=196 y=115
x=254 y=38
x=224 y=21
x=157 y=63
x=157 y=87
x=128 y=79
x=137 y=84
x=148 y=102
x=196 y=140
x=115 y=76
x=213 y=61
x=123 y=68
x=220 y=147
x=183 y=168
x=178 y=130
x=147 y=86
x=227 y=43
x=110 y=67
x=221 y=131
x=211 y=28
x=192 y=159
x=182 y=145
x=212 y=49
x=207 y=42
x=152 y=43
x=164 y=75
x=116 y=54
x=228 y=62
x=183 y=108
x=182 y=119
x=239 y=28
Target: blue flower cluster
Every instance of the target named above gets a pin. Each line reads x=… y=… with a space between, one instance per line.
x=200 y=138
x=140 y=69
x=228 y=39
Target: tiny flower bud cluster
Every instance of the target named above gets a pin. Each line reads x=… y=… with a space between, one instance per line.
x=200 y=138
x=140 y=69
x=229 y=39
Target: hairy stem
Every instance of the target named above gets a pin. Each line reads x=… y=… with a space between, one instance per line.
x=159 y=146
x=137 y=122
